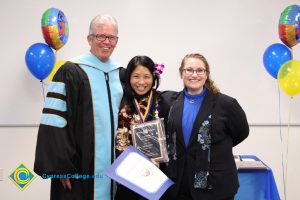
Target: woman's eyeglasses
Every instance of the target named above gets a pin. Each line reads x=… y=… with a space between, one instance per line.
x=190 y=71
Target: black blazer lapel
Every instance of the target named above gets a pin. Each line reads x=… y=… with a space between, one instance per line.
x=205 y=110
x=177 y=110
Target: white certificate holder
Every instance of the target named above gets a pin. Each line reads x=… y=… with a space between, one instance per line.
x=136 y=171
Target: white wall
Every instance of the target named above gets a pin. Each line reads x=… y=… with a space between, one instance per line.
x=232 y=34
x=17 y=145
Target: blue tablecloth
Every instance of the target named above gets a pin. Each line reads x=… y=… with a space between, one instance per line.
x=256 y=184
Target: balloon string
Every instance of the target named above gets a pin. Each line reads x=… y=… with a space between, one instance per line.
x=281 y=140
x=43 y=90
x=287 y=144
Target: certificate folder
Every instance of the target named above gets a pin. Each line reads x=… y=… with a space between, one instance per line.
x=135 y=171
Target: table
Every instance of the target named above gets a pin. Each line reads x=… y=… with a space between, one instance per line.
x=256 y=184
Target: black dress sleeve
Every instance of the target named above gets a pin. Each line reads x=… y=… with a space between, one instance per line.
x=56 y=145
x=166 y=99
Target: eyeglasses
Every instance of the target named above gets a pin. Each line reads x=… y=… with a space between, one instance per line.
x=102 y=37
x=190 y=71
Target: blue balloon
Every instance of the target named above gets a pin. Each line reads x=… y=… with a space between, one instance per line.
x=40 y=60
x=275 y=56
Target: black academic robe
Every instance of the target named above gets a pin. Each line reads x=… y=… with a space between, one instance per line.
x=66 y=145
x=220 y=124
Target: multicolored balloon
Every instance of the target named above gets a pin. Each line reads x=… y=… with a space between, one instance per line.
x=55 y=28
x=289 y=26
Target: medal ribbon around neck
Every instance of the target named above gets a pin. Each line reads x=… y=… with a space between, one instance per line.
x=137 y=107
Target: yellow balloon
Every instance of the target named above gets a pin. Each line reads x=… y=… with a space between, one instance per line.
x=57 y=65
x=289 y=77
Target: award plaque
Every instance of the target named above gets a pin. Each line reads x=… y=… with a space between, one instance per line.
x=149 y=137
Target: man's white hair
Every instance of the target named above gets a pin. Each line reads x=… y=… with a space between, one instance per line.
x=102 y=19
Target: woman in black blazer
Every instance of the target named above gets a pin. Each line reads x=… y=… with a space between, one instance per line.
x=202 y=128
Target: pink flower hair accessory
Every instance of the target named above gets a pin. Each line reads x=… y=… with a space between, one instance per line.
x=159 y=68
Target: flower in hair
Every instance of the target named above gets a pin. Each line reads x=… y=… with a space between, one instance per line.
x=159 y=68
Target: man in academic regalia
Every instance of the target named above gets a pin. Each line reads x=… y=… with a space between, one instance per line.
x=75 y=143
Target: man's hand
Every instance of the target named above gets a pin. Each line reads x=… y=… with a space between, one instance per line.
x=66 y=183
